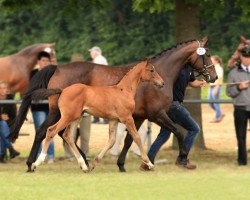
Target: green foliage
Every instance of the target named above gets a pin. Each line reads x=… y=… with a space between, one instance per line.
x=152 y=5
x=124 y=35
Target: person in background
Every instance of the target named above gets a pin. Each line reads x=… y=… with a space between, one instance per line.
x=216 y=89
x=85 y=124
x=40 y=111
x=238 y=82
x=98 y=58
x=7 y=115
x=179 y=115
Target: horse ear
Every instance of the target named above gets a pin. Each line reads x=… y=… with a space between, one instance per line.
x=205 y=41
x=243 y=39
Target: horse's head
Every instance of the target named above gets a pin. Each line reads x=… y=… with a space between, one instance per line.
x=235 y=58
x=33 y=50
x=149 y=74
x=201 y=61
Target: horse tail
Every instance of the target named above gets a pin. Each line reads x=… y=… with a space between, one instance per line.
x=39 y=80
x=44 y=93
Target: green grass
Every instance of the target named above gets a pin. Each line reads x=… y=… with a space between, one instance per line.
x=217 y=177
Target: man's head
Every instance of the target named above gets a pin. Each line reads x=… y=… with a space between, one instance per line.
x=3 y=88
x=95 y=51
x=43 y=59
x=245 y=55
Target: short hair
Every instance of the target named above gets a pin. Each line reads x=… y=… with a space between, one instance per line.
x=218 y=59
x=43 y=54
x=4 y=82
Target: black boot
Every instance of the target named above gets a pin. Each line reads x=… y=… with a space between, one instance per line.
x=13 y=153
x=2 y=159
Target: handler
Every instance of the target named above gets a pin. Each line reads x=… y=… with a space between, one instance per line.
x=241 y=100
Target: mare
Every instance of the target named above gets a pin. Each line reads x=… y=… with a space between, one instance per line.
x=16 y=68
x=235 y=58
x=119 y=103
x=150 y=102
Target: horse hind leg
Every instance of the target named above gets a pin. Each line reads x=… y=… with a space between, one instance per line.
x=68 y=137
x=51 y=132
x=49 y=135
x=112 y=134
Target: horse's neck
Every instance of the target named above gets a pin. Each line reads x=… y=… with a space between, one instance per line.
x=169 y=66
x=131 y=80
x=28 y=61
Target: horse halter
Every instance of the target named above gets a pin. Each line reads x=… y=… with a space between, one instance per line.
x=201 y=51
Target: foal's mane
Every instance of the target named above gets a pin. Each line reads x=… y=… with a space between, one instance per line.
x=171 y=49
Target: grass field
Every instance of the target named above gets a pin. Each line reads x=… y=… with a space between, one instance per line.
x=217 y=177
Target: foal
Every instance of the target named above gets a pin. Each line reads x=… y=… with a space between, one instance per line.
x=113 y=102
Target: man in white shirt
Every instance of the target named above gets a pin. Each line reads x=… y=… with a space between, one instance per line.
x=96 y=55
x=98 y=58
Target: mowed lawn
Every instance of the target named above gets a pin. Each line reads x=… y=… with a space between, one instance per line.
x=217 y=177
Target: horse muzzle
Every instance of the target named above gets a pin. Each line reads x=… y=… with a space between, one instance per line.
x=159 y=84
x=212 y=79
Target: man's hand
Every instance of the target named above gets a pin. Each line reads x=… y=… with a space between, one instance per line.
x=244 y=85
x=203 y=83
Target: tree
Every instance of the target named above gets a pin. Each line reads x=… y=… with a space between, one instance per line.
x=188 y=20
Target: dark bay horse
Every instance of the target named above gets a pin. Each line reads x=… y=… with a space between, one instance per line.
x=16 y=68
x=236 y=55
x=119 y=103
x=151 y=103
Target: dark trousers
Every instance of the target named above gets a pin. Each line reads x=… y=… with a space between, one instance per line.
x=241 y=117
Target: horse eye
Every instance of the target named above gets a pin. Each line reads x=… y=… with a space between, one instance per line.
x=151 y=70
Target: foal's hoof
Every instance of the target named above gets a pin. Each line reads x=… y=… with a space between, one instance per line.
x=84 y=169
x=147 y=166
x=33 y=167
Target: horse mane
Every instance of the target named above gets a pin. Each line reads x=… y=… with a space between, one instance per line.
x=131 y=67
x=170 y=49
x=28 y=49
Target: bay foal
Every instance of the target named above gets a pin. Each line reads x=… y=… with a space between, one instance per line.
x=113 y=102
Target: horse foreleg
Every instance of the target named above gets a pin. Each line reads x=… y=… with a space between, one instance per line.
x=68 y=137
x=127 y=143
x=132 y=130
x=112 y=134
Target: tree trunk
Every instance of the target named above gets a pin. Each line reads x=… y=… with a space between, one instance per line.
x=187 y=26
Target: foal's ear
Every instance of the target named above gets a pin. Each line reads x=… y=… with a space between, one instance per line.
x=205 y=41
x=243 y=39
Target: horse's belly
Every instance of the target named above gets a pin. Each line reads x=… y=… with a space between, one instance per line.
x=102 y=112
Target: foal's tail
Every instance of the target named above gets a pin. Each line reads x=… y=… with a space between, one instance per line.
x=39 y=80
x=44 y=93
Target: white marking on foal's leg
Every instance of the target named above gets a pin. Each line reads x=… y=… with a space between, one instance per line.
x=82 y=163
x=40 y=159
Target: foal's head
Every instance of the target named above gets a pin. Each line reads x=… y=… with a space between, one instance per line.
x=149 y=74
x=202 y=63
x=235 y=58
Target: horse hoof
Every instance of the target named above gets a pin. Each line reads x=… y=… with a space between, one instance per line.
x=145 y=167
x=33 y=167
x=30 y=170
x=121 y=168
x=84 y=169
